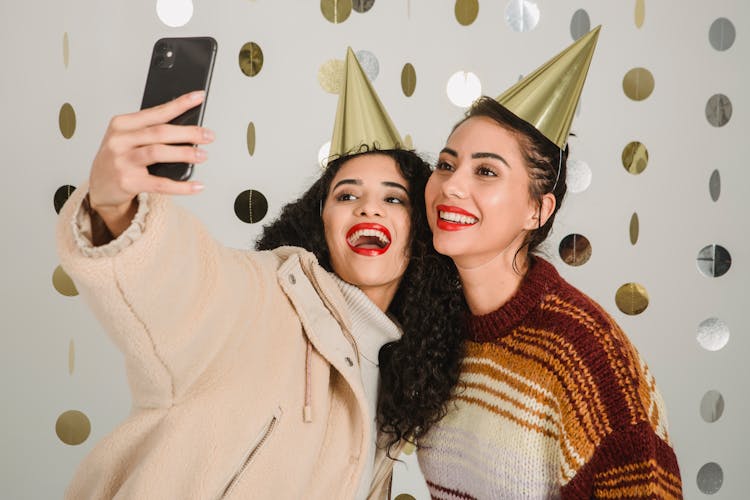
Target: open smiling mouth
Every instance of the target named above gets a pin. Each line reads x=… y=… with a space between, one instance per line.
x=454 y=218
x=368 y=239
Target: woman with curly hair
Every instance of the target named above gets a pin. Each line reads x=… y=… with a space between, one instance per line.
x=419 y=370
x=254 y=374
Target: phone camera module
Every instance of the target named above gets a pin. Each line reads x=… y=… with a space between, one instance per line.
x=164 y=57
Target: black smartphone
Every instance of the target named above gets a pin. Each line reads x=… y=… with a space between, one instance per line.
x=178 y=66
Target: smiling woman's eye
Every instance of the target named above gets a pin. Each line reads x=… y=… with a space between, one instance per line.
x=486 y=172
x=345 y=197
x=396 y=200
x=443 y=165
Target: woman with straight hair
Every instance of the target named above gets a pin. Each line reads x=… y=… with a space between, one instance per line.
x=553 y=400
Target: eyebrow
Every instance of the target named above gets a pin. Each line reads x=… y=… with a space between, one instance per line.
x=358 y=182
x=477 y=155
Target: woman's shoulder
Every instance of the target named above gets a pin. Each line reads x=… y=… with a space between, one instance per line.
x=282 y=257
x=289 y=265
x=582 y=322
x=563 y=298
x=592 y=348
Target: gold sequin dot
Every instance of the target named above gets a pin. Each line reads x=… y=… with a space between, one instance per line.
x=251 y=59
x=635 y=157
x=62 y=283
x=331 y=75
x=640 y=13
x=71 y=357
x=638 y=84
x=67 y=120
x=66 y=50
x=631 y=298
x=408 y=79
x=634 y=228
x=251 y=138
x=336 y=11
x=73 y=427
x=466 y=11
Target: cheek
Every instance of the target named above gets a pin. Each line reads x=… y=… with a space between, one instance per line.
x=402 y=224
x=329 y=231
x=407 y=237
x=431 y=190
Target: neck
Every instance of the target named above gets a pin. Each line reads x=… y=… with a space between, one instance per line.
x=382 y=295
x=489 y=285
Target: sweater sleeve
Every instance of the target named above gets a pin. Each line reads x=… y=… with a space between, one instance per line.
x=633 y=462
x=165 y=293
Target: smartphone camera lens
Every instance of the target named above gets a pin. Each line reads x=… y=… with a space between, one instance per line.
x=164 y=56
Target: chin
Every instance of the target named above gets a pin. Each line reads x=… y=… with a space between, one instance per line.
x=447 y=247
x=367 y=280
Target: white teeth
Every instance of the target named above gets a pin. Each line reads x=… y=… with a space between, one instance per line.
x=460 y=219
x=369 y=232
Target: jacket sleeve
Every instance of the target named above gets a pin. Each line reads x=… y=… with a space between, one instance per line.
x=633 y=462
x=167 y=293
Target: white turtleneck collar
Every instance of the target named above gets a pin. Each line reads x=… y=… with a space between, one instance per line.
x=371 y=329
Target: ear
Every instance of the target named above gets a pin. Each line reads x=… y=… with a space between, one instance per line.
x=547 y=209
x=549 y=202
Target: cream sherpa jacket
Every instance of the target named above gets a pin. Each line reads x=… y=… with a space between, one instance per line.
x=244 y=375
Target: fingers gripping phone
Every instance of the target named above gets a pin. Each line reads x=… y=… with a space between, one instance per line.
x=178 y=66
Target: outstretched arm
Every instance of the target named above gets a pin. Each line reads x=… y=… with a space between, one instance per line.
x=131 y=143
x=164 y=289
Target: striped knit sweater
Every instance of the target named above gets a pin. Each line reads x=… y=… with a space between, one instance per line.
x=553 y=402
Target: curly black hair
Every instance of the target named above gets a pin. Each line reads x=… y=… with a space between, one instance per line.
x=419 y=371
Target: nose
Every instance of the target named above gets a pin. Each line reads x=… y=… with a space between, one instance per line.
x=369 y=206
x=454 y=186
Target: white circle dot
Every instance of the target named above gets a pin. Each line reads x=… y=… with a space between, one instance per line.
x=713 y=334
x=463 y=88
x=578 y=177
x=174 y=13
x=369 y=63
x=522 y=15
x=323 y=154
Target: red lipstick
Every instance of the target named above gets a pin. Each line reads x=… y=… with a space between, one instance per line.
x=456 y=223
x=368 y=239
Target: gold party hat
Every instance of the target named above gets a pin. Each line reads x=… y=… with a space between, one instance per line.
x=360 y=116
x=547 y=98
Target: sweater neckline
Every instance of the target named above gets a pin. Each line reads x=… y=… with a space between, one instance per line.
x=371 y=327
x=500 y=322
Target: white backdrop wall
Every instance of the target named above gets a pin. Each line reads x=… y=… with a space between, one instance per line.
x=94 y=55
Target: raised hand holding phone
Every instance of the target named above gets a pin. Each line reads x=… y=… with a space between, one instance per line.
x=179 y=65
x=149 y=151
x=134 y=141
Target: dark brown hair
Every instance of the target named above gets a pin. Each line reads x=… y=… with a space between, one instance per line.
x=541 y=155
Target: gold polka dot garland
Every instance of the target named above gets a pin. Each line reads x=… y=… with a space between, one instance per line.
x=466 y=11
x=73 y=427
x=336 y=11
x=632 y=298
x=250 y=136
x=67 y=120
x=408 y=79
x=638 y=84
x=62 y=283
x=251 y=59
